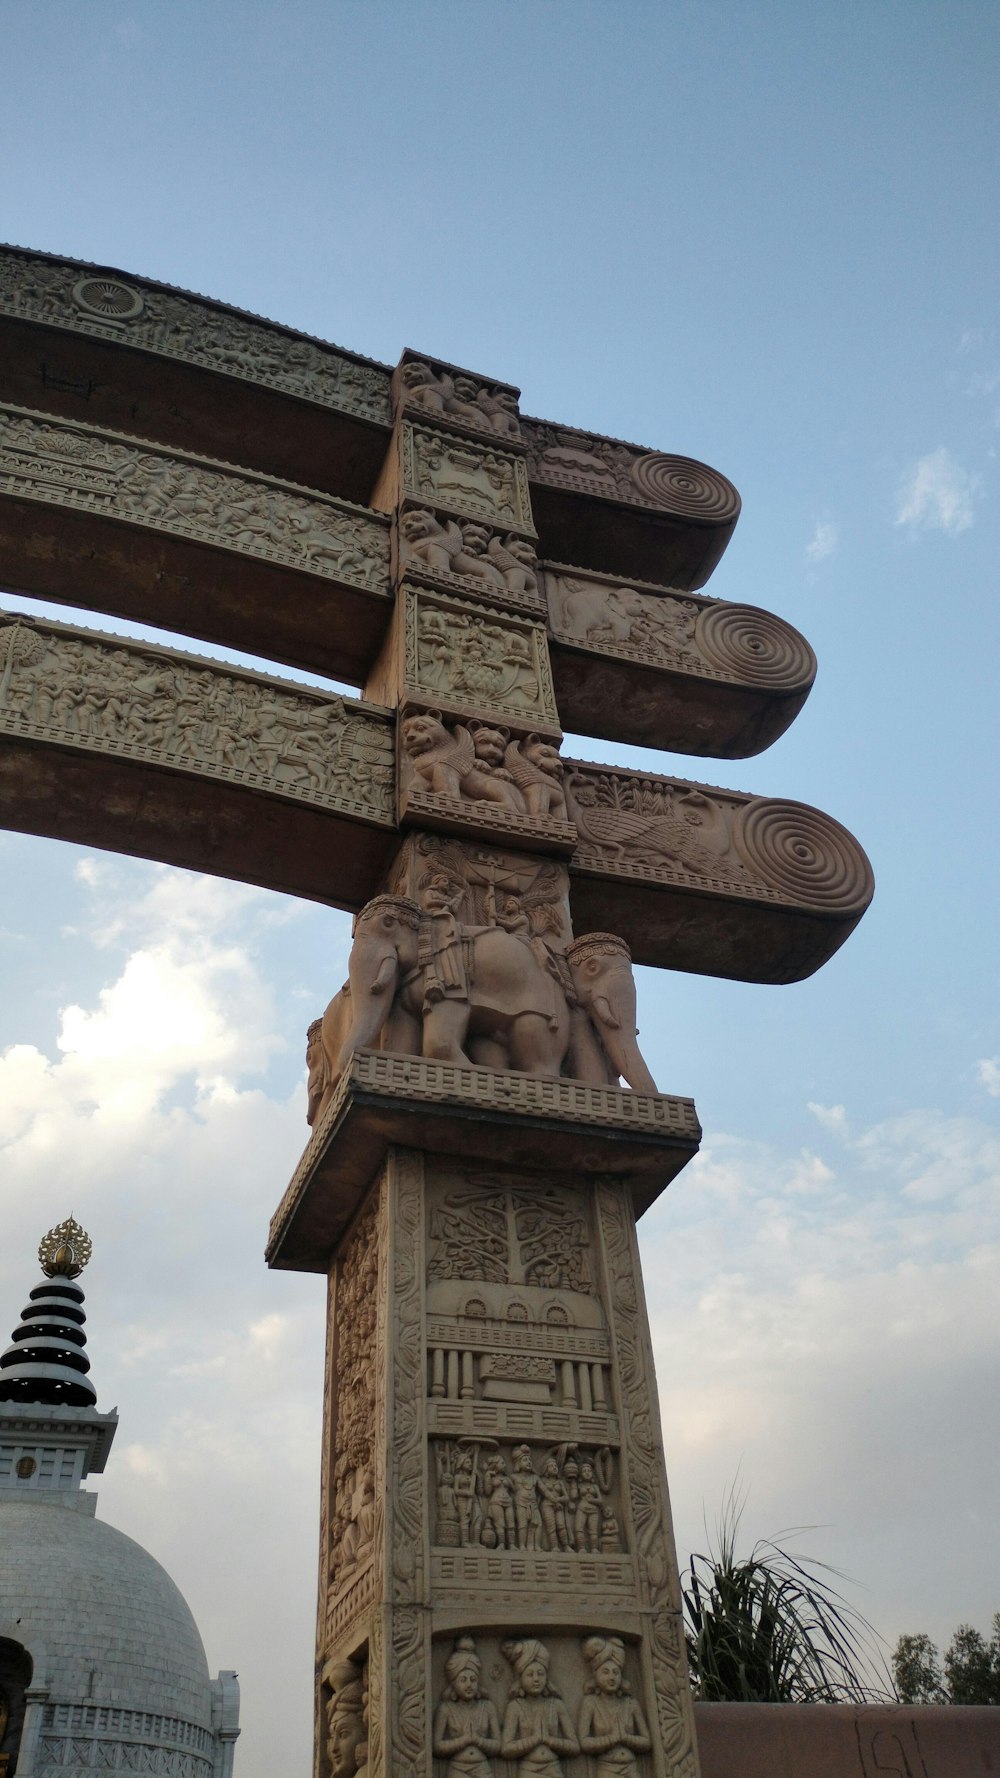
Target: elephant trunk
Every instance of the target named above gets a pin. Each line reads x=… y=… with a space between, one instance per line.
x=602 y=975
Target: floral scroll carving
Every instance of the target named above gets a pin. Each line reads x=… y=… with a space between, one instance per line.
x=196 y=331
x=171 y=709
x=646 y=1481
x=75 y=466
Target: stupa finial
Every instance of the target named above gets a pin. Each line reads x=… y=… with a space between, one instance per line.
x=65 y=1250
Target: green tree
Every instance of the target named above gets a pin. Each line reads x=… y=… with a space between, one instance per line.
x=971 y=1668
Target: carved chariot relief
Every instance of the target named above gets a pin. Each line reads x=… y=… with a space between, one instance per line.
x=469 y=557
x=105 y=473
x=586 y=463
x=106 y=306
x=457 y=657
x=557 y=1708
x=441 y=392
x=465 y=477
x=98 y=693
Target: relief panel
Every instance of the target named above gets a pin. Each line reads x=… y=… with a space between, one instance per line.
x=439 y=391
x=118 y=478
x=469 y=558
x=124 y=311
x=734 y=644
x=585 y=463
x=102 y=694
x=479 y=776
x=671 y=831
x=454 y=658
x=465 y=477
x=560 y=1707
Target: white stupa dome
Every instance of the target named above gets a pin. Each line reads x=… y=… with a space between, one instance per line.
x=101 y=1663
x=108 y=1621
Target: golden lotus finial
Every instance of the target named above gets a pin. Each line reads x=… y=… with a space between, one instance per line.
x=65 y=1250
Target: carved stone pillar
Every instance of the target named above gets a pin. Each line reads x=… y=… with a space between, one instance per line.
x=497 y=1564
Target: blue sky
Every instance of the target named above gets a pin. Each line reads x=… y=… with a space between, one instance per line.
x=759 y=234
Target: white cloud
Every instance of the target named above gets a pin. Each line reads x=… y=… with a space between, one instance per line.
x=833 y=1345
x=832 y=1117
x=937 y=494
x=988 y=1075
x=823 y=542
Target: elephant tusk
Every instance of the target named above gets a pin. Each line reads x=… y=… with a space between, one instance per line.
x=602 y=1007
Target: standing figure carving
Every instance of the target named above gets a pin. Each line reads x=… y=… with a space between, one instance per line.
x=537 y=1730
x=466 y=1727
x=611 y=1724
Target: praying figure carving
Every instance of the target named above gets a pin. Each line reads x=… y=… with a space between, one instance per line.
x=537 y=1730
x=424 y=982
x=611 y=1725
x=466 y=1729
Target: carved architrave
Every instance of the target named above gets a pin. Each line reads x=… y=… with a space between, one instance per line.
x=431 y=389
x=100 y=693
x=465 y=476
x=645 y=1483
x=481 y=778
x=739 y=644
x=469 y=558
x=137 y=313
x=695 y=836
x=586 y=463
x=458 y=658
x=137 y=483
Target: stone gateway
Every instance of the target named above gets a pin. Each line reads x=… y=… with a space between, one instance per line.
x=499 y=1594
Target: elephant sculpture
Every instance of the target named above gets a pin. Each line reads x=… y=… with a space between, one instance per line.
x=423 y=984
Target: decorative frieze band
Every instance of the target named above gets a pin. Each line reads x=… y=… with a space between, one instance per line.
x=118 y=478
x=586 y=463
x=671 y=831
x=740 y=644
x=98 y=693
x=133 y=312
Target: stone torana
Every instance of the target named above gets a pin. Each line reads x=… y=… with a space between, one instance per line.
x=498 y=1589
